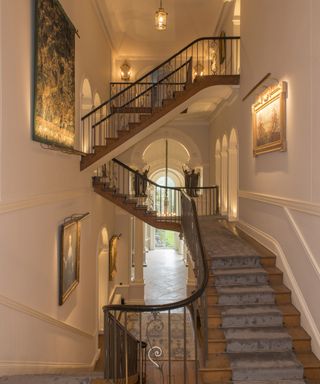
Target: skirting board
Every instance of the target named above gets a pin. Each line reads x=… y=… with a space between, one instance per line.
x=39 y=367
x=270 y=243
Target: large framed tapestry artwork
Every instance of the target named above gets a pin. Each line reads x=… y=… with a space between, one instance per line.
x=269 y=120
x=69 y=259
x=54 y=75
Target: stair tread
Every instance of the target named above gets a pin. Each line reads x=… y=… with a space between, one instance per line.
x=239 y=271
x=263 y=360
x=254 y=333
x=298 y=381
x=286 y=309
x=250 y=310
x=234 y=289
x=244 y=289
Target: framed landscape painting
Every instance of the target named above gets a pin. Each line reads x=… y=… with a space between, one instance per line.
x=54 y=75
x=69 y=259
x=269 y=120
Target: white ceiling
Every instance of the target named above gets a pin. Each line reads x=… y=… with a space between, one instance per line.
x=130 y=25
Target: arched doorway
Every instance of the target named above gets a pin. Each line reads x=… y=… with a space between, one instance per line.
x=224 y=176
x=86 y=106
x=103 y=273
x=233 y=176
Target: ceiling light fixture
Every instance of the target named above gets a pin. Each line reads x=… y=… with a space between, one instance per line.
x=160 y=18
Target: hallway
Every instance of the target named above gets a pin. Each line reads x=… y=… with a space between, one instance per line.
x=165 y=277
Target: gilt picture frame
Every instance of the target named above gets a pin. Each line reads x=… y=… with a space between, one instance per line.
x=69 y=259
x=269 y=120
x=54 y=75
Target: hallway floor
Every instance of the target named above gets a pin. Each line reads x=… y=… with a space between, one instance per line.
x=165 y=277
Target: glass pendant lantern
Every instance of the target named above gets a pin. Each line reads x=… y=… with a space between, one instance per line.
x=160 y=18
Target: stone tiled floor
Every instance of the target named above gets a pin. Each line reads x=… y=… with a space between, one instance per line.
x=165 y=277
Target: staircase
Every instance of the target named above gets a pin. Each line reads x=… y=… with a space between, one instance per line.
x=156 y=205
x=157 y=97
x=254 y=332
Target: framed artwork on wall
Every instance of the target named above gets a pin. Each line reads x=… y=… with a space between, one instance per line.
x=69 y=259
x=54 y=75
x=269 y=120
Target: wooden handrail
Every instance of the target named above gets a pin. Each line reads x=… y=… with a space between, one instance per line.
x=158 y=67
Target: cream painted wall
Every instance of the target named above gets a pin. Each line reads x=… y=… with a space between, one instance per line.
x=279 y=192
x=39 y=188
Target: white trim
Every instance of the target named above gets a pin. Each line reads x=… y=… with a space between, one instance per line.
x=45 y=199
x=12 y=304
x=304 y=243
x=44 y=367
x=272 y=244
x=297 y=205
x=115 y=289
x=102 y=23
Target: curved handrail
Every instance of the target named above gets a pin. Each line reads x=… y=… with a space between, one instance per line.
x=152 y=182
x=158 y=67
x=178 y=304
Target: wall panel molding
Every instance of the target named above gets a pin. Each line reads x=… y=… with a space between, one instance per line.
x=44 y=199
x=297 y=205
x=12 y=304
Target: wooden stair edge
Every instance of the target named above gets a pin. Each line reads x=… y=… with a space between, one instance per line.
x=139 y=212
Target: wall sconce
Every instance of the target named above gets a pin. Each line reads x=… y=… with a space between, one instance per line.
x=198 y=69
x=160 y=18
x=125 y=71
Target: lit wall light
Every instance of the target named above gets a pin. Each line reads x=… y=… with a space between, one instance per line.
x=125 y=71
x=160 y=18
x=198 y=69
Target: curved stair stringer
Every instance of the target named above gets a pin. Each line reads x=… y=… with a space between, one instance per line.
x=199 y=88
x=139 y=212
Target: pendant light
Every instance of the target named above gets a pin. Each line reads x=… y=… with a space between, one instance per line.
x=161 y=18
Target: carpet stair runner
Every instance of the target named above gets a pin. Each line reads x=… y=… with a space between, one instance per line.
x=254 y=334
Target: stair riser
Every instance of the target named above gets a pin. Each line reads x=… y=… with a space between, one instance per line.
x=268 y=374
x=246 y=298
x=280 y=298
x=275 y=279
x=240 y=321
x=234 y=262
x=241 y=280
x=291 y=320
x=268 y=261
x=266 y=345
x=217 y=347
x=312 y=373
x=301 y=346
x=219 y=375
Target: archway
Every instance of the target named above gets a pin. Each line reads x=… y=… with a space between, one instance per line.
x=233 y=176
x=86 y=107
x=224 y=176
x=103 y=273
